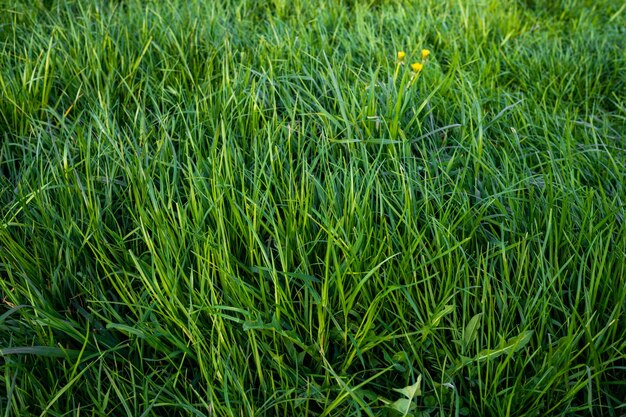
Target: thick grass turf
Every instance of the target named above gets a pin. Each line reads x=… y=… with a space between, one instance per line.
x=245 y=208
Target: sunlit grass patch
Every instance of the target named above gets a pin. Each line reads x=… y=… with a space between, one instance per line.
x=240 y=208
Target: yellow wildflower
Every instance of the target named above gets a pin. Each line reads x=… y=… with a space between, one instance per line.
x=416 y=67
x=425 y=53
x=401 y=56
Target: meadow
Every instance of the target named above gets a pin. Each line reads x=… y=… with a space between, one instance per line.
x=248 y=208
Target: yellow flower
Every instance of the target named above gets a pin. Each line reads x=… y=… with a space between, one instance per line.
x=416 y=67
x=425 y=53
x=401 y=55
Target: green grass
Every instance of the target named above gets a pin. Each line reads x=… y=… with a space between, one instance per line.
x=238 y=208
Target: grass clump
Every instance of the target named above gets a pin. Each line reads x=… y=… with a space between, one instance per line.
x=240 y=208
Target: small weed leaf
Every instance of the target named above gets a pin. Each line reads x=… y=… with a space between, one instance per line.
x=471 y=330
x=513 y=345
x=405 y=405
x=256 y=324
x=437 y=318
x=411 y=391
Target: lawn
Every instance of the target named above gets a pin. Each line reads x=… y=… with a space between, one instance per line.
x=329 y=208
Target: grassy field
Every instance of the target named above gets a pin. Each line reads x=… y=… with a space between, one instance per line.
x=243 y=208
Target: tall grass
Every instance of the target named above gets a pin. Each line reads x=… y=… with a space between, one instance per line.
x=246 y=208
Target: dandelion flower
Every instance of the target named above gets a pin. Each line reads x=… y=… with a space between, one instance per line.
x=425 y=53
x=401 y=56
x=416 y=67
